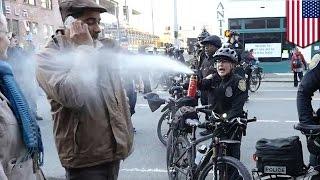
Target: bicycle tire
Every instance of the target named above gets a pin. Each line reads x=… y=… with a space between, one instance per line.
x=159 y=127
x=170 y=154
x=231 y=161
x=257 y=83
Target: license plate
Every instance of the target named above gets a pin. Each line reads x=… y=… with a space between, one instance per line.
x=275 y=170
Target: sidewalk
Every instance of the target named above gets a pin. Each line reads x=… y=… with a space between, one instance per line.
x=278 y=77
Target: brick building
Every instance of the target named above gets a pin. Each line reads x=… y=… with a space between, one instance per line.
x=33 y=19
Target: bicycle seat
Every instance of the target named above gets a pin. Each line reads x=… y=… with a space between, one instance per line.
x=229 y=141
x=192 y=122
x=307 y=129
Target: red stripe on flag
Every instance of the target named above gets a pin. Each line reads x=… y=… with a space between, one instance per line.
x=287 y=20
x=292 y=22
x=298 y=22
x=318 y=25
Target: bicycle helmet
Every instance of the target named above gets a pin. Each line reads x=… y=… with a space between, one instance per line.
x=234 y=33
x=227 y=54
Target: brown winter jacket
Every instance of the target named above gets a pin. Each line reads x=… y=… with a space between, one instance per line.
x=91 y=115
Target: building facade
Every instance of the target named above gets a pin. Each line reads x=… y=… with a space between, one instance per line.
x=34 y=20
x=119 y=24
x=262 y=26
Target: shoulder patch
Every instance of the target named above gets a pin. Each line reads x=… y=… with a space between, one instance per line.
x=242 y=85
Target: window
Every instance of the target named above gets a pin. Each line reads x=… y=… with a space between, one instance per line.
x=262 y=37
x=47 y=30
x=9 y=25
x=46 y=4
x=273 y=23
x=14 y=26
x=255 y=23
x=234 y=24
x=33 y=27
x=32 y=2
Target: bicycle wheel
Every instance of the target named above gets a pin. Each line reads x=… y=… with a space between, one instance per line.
x=163 y=128
x=255 y=82
x=228 y=168
x=177 y=158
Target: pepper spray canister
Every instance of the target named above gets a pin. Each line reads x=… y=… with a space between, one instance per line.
x=192 y=90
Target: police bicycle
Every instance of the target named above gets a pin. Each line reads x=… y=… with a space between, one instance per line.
x=176 y=100
x=282 y=158
x=215 y=164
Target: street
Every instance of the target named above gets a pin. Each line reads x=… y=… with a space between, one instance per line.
x=274 y=106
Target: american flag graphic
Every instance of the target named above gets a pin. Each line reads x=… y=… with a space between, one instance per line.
x=303 y=21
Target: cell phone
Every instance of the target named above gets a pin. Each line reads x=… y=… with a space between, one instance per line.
x=68 y=22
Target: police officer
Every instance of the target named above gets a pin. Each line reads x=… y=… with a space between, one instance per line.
x=227 y=90
x=211 y=45
x=200 y=52
x=235 y=44
x=310 y=84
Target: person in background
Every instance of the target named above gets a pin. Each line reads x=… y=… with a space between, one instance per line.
x=14 y=161
x=298 y=63
x=23 y=68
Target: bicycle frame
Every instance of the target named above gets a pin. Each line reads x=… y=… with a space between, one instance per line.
x=217 y=149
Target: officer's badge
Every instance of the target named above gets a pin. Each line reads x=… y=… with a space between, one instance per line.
x=242 y=85
x=228 y=92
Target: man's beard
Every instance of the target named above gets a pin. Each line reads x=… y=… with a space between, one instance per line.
x=95 y=36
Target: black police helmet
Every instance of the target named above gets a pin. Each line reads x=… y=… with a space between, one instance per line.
x=227 y=54
x=213 y=40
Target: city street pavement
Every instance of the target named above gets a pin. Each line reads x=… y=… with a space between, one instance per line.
x=274 y=105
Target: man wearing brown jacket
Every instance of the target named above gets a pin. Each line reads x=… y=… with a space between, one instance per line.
x=92 y=125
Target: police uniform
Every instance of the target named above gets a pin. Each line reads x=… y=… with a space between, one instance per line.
x=208 y=65
x=228 y=96
x=309 y=84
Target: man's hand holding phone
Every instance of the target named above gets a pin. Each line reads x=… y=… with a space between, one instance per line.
x=78 y=32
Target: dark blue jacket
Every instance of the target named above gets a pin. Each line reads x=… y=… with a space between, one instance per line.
x=309 y=84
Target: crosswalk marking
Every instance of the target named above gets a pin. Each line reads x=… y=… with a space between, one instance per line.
x=145 y=170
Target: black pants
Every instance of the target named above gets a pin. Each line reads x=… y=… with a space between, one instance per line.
x=295 y=78
x=107 y=171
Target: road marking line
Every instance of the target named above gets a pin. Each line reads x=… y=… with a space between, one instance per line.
x=278 y=99
x=292 y=121
x=277 y=90
x=283 y=74
x=277 y=121
x=267 y=121
x=142 y=105
x=145 y=170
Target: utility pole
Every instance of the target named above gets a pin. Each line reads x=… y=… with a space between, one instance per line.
x=152 y=17
x=175 y=24
x=117 y=16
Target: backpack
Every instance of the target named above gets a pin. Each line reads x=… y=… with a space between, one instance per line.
x=281 y=156
x=296 y=63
